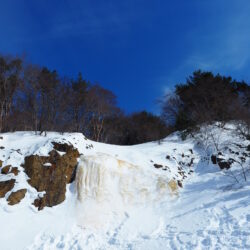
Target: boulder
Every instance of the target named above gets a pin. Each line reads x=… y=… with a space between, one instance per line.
x=5 y=170
x=62 y=147
x=53 y=177
x=6 y=186
x=224 y=164
x=40 y=203
x=16 y=197
x=157 y=165
x=214 y=159
x=14 y=170
x=179 y=183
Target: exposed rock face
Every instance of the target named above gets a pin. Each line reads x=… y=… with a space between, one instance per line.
x=1 y=163
x=6 y=186
x=16 y=197
x=52 y=173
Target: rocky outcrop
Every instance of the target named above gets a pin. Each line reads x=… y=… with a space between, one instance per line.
x=16 y=197
x=52 y=173
x=6 y=186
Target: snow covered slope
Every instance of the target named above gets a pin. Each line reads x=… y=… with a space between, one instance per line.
x=122 y=199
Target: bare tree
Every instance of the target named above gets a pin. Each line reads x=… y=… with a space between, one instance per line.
x=100 y=104
x=48 y=85
x=77 y=102
x=10 y=70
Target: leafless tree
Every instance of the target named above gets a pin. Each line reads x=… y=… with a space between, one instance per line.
x=100 y=104
x=10 y=70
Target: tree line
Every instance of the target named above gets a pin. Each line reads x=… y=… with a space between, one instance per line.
x=34 y=98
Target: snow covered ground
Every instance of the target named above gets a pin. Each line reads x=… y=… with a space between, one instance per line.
x=211 y=211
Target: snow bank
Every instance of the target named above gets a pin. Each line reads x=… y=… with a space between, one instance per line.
x=120 y=199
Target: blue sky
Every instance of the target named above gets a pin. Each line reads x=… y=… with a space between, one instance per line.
x=138 y=49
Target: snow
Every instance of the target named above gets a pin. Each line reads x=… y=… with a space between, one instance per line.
x=116 y=201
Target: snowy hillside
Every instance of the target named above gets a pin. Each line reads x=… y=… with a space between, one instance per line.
x=160 y=195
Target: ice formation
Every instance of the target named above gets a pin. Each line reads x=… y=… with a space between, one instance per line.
x=108 y=186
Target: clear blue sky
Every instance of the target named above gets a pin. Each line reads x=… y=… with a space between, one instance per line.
x=138 y=49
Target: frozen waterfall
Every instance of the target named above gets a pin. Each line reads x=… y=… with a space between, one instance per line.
x=108 y=187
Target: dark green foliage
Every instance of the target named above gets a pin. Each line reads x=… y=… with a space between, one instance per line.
x=206 y=98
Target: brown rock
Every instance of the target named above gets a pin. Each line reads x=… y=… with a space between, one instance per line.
x=14 y=170
x=16 y=197
x=40 y=203
x=5 y=170
x=52 y=179
x=62 y=147
x=6 y=186
x=1 y=163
